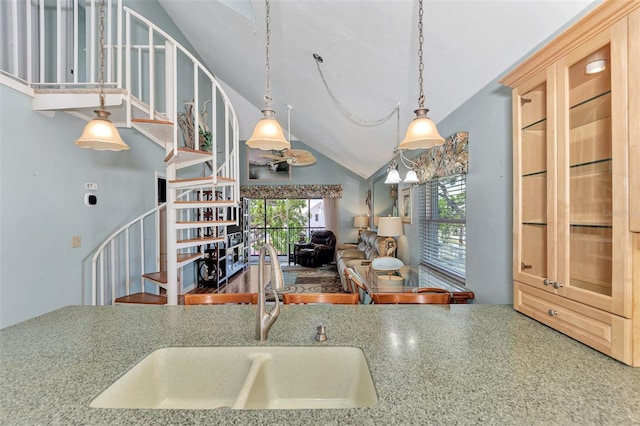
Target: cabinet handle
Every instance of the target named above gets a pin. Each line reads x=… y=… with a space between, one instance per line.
x=557 y=284
x=552 y=313
x=524 y=101
x=546 y=282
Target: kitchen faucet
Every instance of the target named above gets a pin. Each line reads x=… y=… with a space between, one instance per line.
x=264 y=319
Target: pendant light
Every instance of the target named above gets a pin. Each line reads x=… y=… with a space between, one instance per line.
x=100 y=133
x=422 y=132
x=268 y=135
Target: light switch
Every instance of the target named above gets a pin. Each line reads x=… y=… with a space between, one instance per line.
x=76 y=241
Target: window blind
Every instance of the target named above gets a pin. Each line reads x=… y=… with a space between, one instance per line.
x=443 y=225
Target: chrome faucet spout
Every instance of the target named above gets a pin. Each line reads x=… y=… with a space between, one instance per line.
x=264 y=319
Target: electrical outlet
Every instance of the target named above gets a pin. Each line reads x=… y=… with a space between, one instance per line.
x=91 y=186
x=76 y=241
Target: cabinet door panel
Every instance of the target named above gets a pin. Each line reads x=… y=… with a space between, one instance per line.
x=532 y=251
x=592 y=173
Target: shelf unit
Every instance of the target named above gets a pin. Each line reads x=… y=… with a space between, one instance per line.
x=572 y=144
x=222 y=259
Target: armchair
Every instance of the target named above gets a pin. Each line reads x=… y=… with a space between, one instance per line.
x=319 y=251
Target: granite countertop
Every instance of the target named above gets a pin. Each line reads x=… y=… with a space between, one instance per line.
x=458 y=364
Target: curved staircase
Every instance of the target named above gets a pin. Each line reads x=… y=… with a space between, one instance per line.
x=150 y=78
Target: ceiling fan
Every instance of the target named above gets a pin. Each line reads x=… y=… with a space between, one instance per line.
x=294 y=157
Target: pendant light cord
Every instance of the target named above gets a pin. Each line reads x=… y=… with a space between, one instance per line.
x=354 y=118
x=101 y=30
x=267 y=96
x=421 y=66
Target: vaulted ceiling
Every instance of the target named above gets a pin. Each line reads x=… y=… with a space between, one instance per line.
x=370 y=52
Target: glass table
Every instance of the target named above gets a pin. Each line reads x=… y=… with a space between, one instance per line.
x=409 y=278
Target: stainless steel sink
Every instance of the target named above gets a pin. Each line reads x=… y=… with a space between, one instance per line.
x=243 y=378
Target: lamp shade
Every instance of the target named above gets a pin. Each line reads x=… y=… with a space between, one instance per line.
x=376 y=219
x=360 y=222
x=100 y=134
x=268 y=134
x=422 y=133
x=411 y=177
x=390 y=226
x=393 y=177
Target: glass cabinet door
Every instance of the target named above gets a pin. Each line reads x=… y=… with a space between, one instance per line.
x=590 y=153
x=533 y=264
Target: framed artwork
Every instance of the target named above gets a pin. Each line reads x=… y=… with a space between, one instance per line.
x=405 y=205
x=267 y=166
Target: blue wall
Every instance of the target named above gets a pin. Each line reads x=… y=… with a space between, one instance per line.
x=42 y=177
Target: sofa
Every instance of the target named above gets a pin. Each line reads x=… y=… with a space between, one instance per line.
x=368 y=247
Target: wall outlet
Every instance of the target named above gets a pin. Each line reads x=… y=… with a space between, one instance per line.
x=76 y=241
x=91 y=186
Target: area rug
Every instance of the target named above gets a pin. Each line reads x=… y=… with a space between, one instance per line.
x=300 y=279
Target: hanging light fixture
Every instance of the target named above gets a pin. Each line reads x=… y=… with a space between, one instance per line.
x=268 y=134
x=393 y=177
x=100 y=133
x=422 y=132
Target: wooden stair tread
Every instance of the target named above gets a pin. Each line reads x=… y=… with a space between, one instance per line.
x=189 y=152
x=202 y=240
x=184 y=257
x=150 y=121
x=143 y=299
x=159 y=277
x=196 y=179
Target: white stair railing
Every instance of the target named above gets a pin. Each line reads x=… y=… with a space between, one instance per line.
x=159 y=76
x=122 y=257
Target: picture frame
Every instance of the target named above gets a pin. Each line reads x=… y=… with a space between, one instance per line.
x=267 y=166
x=405 y=205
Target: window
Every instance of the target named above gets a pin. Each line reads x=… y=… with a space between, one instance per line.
x=443 y=225
x=279 y=222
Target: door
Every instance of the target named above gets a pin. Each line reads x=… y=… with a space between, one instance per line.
x=534 y=182
x=595 y=252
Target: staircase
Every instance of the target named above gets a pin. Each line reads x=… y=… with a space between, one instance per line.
x=150 y=80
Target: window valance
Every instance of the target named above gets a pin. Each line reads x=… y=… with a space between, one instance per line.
x=444 y=160
x=291 y=191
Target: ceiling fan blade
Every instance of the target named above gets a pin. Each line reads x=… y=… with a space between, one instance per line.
x=299 y=157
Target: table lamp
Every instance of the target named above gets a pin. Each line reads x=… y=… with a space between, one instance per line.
x=390 y=227
x=360 y=222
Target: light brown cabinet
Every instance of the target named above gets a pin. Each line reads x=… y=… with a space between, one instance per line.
x=576 y=183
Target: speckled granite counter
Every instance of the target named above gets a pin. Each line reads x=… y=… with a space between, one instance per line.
x=460 y=364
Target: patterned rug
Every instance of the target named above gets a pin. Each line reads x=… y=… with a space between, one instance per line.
x=299 y=279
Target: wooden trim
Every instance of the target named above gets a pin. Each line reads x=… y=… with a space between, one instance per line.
x=593 y=23
x=220 y=298
x=333 y=298
x=634 y=121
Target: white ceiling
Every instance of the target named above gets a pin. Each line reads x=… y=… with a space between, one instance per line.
x=370 y=52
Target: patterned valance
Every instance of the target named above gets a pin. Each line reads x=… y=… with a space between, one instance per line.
x=444 y=160
x=291 y=191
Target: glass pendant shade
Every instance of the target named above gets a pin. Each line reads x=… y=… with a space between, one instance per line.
x=422 y=133
x=268 y=134
x=100 y=134
x=393 y=177
x=411 y=177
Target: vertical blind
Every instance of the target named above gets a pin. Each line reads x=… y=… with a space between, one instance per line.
x=443 y=225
